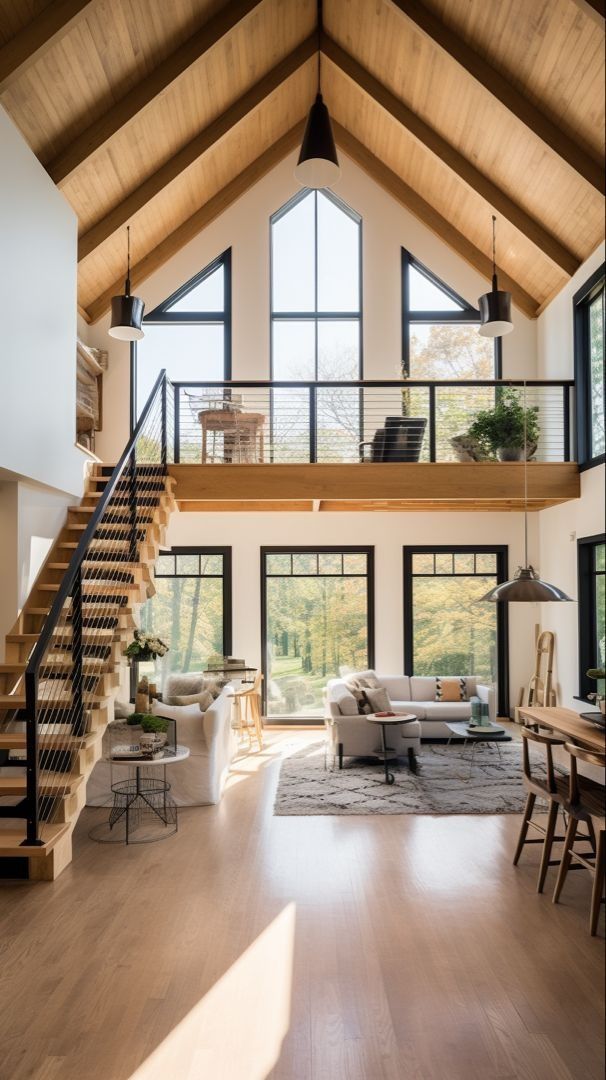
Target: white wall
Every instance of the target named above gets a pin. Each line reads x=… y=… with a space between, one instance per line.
x=247 y=533
x=9 y=543
x=387 y=227
x=38 y=319
x=561 y=526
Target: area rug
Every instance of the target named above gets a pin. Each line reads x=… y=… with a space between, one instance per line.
x=442 y=784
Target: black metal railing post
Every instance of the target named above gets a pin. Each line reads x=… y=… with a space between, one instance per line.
x=432 y=423
x=32 y=766
x=566 y=421
x=177 y=425
x=164 y=432
x=132 y=506
x=313 y=424
x=77 y=671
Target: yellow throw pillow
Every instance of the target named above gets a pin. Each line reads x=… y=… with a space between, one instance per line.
x=449 y=690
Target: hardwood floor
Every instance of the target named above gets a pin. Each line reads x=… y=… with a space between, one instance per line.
x=250 y=946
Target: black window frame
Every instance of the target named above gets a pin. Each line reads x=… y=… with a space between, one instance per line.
x=226 y=577
x=313 y=549
x=582 y=376
x=502 y=555
x=586 y=570
x=469 y=316
x=316 y=316
x=160 y=315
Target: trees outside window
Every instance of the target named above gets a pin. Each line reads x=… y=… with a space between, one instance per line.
x=317 y=615
x=588 y=310
x=592 y=611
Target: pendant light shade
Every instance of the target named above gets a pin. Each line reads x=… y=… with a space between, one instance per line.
x=127 y=310
x=495 y=306
x=318 y=164
x=525 y=586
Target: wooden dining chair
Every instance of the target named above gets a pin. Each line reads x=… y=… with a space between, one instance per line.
x=585 y=802
x=553 y=789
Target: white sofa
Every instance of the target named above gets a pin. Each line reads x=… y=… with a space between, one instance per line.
x=414 y=694
x=212 y=744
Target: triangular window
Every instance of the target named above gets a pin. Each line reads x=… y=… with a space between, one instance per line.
x=204 y=298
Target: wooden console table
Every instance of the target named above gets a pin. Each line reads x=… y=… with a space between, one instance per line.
x=569 y=723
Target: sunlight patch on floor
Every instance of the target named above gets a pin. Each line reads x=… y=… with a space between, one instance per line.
x=236 y=1030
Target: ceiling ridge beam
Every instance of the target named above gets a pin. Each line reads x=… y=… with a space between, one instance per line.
x=430 y=217
x=101 y=130
x=198 y=221
x=497 y=199
x=189 y=154
x=45 y=30
x=505 y=92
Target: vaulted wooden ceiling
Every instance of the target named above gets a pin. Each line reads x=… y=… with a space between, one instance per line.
x=161 y=114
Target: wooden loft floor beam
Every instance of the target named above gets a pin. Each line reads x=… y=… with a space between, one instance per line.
x=505 y=92
x=101 y=130
x=43 y=31
x=529 y=226
x=430 y=217
x=198 y=221
x=595 y=9
x=194 y=149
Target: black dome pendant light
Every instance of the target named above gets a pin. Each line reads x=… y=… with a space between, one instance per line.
x=127 y=310
x=526 y=585
x=318 y=164
x=495 y=306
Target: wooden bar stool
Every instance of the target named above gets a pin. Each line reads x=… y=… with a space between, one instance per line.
x=554 y=789
x=248 y=711
x=585 y=803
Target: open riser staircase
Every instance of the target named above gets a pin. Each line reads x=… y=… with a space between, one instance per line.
x=64 y=654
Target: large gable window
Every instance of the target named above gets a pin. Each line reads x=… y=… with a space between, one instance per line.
x=189 y=334
x=589 y=369
x=440 y=338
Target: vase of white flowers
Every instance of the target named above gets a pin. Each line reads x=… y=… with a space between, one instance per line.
x=145 y=647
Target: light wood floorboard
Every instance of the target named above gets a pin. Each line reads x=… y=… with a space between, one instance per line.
x=250 y=947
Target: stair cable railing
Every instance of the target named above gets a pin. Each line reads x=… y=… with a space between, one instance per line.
x=78 y=648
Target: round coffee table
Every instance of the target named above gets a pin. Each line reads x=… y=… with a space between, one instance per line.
x=391 y=720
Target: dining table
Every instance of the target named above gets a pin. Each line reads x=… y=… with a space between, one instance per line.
x=569 y=723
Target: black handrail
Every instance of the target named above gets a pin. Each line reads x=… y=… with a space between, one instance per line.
x=401 y=384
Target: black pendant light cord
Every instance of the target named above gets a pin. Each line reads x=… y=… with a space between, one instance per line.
x=319 y=48
x=525 y=483
x=494 y=252
x=127 y=283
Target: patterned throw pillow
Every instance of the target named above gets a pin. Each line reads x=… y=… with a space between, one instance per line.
x=451 y=689
x=356 y=691
x=378 y=698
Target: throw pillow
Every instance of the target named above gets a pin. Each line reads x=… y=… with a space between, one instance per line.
x=451 y=689
x=368 y=681
x=203 y=699
x=214 y=686
x=378 y=698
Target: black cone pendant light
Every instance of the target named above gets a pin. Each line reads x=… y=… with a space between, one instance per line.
x=526 y=585
x=318 y=164
x=495 y=306
x=127 y=310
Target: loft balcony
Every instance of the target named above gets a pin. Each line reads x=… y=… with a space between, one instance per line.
x=372 y=445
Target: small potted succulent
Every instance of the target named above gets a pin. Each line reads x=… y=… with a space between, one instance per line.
x=153 y=731
x=506 y=430
x=599 y=674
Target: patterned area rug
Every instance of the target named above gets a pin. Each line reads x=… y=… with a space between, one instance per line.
x=442 y=785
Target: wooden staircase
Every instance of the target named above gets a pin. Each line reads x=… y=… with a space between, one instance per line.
x=115 y=578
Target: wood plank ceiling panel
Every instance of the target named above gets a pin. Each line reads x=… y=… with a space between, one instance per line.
x=234 y=64
x=115 y=45
x=438 y=185
x=14 y=16
x=441 y=92
x=553 y=50
x=257 y=132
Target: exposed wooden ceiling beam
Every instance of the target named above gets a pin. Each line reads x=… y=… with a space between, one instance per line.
x=595 y=9
x=198 y=221
x=194 y=149
x=430 y=217
x=37 y=36
x=505 y=92
x=98 y=133
x=495 y=197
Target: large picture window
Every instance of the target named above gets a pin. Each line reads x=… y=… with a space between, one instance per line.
x=191 y=609
x=446 y=630
x=317 y=615
x=189 y=334
x=588 y=308
x=592 y=611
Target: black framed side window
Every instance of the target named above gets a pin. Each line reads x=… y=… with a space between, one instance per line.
x=592 y=611
x=440 y=339
x=189 y=334
x=446 y=630
x=588 y=315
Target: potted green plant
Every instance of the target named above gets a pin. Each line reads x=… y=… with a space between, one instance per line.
x=153 y=733
x=505 y=430
x=145 y=647
x=599 y=674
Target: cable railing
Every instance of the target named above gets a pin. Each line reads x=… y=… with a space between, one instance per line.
x=296 y=422
x=73 y=665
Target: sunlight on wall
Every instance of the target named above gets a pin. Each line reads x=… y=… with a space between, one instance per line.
x=236 y=1030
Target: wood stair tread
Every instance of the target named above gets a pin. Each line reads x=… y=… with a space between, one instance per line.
x=16 y=740
x=11 y=840
x=10 y=702
x=51 y=783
